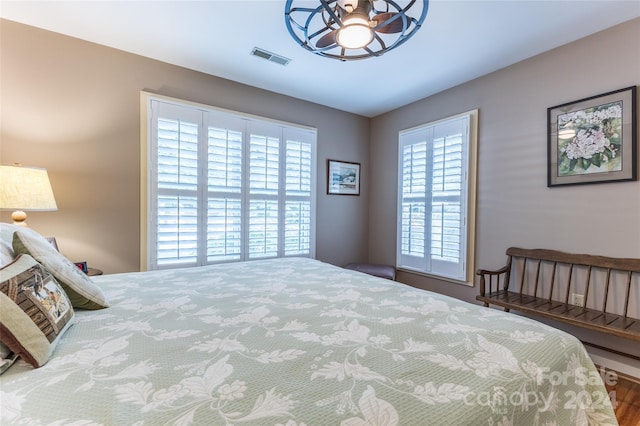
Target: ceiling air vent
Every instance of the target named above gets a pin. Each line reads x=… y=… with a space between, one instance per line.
x=264 y=54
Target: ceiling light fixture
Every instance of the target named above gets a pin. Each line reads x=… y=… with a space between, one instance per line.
x=353 y=29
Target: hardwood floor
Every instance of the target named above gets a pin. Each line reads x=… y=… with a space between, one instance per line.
x=625 y=396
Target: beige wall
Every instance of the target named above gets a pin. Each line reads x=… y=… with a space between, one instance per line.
x=73 y=107
x=515 y=207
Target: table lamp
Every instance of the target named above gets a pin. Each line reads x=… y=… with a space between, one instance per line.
x=25 y=188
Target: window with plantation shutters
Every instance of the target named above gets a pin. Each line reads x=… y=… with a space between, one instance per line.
x=225 y=187
x=436 y=198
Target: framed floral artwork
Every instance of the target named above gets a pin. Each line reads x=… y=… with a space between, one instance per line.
x=593 y=140
x=343 y=178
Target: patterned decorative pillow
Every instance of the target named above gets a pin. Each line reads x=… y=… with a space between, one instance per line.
x=82 y=292
x=35 y=310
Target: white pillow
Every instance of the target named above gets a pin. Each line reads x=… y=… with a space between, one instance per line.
x=6 y=254
x=81 y=290
x=7 y=230
x=6 y=233
x=6 y=240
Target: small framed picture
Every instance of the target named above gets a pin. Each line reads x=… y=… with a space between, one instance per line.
x=82 y=266
x=343 y=178
x=593 y=140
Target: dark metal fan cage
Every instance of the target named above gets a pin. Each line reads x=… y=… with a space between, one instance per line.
x=317 y=29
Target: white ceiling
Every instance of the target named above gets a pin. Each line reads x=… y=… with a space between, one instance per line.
x=459 y=41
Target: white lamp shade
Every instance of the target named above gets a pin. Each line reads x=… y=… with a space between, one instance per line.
x=25 y=188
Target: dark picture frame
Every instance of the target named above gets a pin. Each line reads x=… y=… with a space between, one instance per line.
x=343 y=177
x=593 y=140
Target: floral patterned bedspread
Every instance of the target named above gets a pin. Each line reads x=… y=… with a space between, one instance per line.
x=298 y=342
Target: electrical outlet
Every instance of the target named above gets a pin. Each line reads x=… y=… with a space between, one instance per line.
x=577 y=299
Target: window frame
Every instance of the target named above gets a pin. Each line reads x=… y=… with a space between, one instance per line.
x=469 y=216
x=147 y=162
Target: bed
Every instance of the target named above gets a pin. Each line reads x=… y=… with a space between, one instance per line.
x=299 y=342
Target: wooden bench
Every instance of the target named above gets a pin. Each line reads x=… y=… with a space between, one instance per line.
x=546 y=282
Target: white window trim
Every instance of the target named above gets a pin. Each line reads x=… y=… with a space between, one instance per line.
x=145 y=129
x=471 y=177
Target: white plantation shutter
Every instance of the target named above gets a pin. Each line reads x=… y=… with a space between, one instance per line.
x=224 y=180
x=225 y=187
x=448 y=195
x=433 y=203
x=175 y=185
x=264 y=189
x=298 y=212
x=413 y=205
x=224 y=224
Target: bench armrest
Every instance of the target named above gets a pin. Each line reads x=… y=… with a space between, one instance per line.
x=491 y=272
x=492 y=276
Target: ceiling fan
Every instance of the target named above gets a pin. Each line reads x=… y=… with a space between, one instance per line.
x=353 y=29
